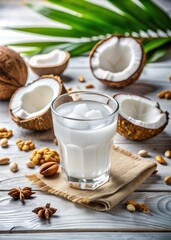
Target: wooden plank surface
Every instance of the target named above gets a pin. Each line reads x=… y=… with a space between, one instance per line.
x=18 y=217
x=86 y=235
x=71 y=220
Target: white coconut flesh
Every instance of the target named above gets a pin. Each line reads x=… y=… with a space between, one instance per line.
x=34 y=99
x=141 y=111
x=54 y=58
x=116 y=59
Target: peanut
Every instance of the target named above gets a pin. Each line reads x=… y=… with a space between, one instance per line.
x=168 y=154
x=167 y=180
x=160 y=160
x=69 y=89
x=30 y=164
x=13 y=167
x=4 y=160
x=81 y=78
x=131 y=208
x=143 y=153
x=55 y=141
x=4 y=142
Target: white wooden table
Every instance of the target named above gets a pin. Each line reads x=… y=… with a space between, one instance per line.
x=73 y=221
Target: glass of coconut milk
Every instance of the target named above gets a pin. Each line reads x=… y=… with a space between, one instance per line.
x=85 y=124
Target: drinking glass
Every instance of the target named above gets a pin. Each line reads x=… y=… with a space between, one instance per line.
x=84 y=125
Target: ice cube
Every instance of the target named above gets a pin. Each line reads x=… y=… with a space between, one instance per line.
x=93 y=114
x=81 y=109
x=75 y=115
x=76 y=121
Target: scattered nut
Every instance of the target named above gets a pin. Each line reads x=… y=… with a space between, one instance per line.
x=30 y=164
x=49 y=169
x=143 y=153
x=167 y=180
x=89 y=85
x=43 y=155
x=160 y=160
x=4 y=133
x=25 y=145
x=55 y=141
x=4 y=160
x=78 y=87
x=13 y=167
x=4 y=142
x=131 y=208
x=69 y=89
x=168 y=95
x=81 y=78
x=168 y=154
x=142 y=207
x=164 y=94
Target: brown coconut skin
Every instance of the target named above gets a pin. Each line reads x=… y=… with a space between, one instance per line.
x=135 y=132
x=55 y=70
x=13 y=72
x=40 y=122
x=127 y=81
x=128 y=130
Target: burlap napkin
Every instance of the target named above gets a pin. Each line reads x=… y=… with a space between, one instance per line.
x=126 y=174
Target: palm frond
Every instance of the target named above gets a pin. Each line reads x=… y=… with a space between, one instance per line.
x=92 y=22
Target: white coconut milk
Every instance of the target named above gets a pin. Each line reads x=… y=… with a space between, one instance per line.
x=85 y=136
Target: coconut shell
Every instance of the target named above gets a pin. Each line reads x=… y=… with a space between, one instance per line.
x=135 y=132
x=55 y=70
x=133 y=77
x=39 y=122
x=13 y=72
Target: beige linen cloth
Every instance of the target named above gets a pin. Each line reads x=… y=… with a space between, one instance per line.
x=127 y=172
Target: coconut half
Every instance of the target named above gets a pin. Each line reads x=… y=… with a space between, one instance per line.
x=29 y=106
x=117 y=61
x=54 y=62
x=139 y=118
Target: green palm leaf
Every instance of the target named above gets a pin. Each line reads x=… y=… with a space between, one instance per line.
x=93 y=22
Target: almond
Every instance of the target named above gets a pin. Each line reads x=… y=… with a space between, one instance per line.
x=81 y=78
x=49 y=169
x=162 y=94
x=167 y=180
x=160 y=160
x=89 y=85
x=167 y=95
x=4 y=160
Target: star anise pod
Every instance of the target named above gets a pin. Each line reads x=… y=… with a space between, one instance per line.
x=21 y=194
x=45 y=212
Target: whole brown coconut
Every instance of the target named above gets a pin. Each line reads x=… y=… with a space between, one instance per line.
x=13 y=72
